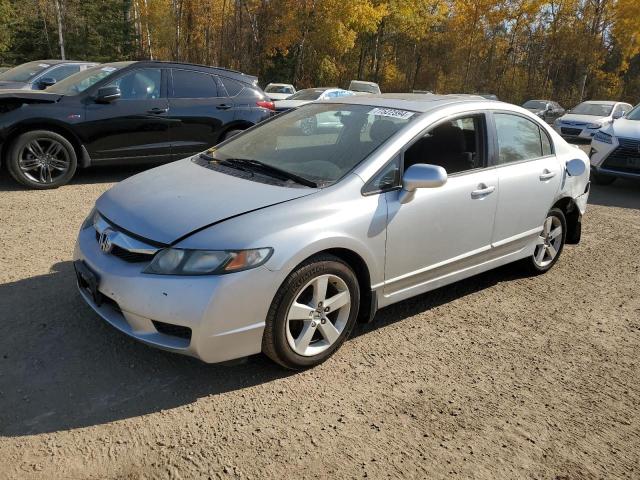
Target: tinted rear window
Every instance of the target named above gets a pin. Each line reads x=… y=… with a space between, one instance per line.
x=189 y=84
x=233 y=87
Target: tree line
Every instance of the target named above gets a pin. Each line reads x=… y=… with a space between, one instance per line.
x=566 y=50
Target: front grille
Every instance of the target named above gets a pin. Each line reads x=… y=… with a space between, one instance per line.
x=126 y=255
x=571 y=131
x=625 y=158
x=173 y=330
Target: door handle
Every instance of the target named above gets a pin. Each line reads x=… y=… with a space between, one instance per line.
x=158 y=110
x=547 y=175
x=223 y=106
x=482 y=191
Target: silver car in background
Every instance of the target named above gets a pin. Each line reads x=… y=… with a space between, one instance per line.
x=586 y=119
x=278 y=241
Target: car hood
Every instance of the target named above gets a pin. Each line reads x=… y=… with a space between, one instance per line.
x=574 y=117
x=4 y=85
x=291 y=103
x=626 y=128
x=167 y=203
x=29 y=96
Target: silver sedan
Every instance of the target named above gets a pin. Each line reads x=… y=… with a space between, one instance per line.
x=280 y=241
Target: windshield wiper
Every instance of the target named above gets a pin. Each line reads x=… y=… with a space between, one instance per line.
x=243 y=163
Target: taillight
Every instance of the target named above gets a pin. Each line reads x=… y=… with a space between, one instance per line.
x=266 y=104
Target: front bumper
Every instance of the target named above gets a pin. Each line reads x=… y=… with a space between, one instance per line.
x=225 y=313
x=576 y=132
x=621 y=158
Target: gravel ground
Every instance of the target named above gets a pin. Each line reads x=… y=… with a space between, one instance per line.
x=498 y=376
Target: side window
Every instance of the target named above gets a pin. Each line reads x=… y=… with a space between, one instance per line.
x=546 y=143
x=386 y=179
x=189 y=84
x=142 y=84
x=456 y=145
x=62 y=72
x=518 y=138
x=231 y=86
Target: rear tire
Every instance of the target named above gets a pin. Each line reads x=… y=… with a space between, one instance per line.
x=42 y=160
x=549 y=244
x=312 y=313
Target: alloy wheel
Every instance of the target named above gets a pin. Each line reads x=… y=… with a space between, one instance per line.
x=43 y=160
x=318 y=315
x=549 y=242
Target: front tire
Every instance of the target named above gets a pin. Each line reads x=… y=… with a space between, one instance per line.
x=312 y=313
x=42 y=160
x=549 y=243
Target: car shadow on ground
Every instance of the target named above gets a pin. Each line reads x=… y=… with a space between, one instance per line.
x=622 y=193
x=84 y=176
x=62 y=367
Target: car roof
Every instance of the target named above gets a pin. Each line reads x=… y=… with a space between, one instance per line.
x=601 y=102
x=57 y=61
x=364 y=82
x=280 y=84
x=417 y=102
x=243 y=77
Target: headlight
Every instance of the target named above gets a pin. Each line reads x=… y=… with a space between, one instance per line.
x=541 y=114
x=91 y=218
x=176 y=261
x=594 y=125
x=557 y=122
x=603 y=137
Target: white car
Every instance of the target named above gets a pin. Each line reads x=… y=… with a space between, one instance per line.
x=615 y=150
x=279 y=91
x=308 y=95
x=587 y=118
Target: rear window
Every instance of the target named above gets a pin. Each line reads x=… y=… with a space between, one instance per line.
x=189 y=84
x=24 y=72
x=232 y=87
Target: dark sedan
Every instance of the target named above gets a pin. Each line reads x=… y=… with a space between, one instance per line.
x=40 y=74
x=124 y=112
x=548 y=110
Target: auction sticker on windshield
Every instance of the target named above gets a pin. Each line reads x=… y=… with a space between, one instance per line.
x=391 y=112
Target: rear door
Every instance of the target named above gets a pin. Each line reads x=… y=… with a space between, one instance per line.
x=199 y=110
x=135 y=127
x=529 y=176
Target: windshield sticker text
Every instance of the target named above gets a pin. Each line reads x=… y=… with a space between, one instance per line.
x=391 y=112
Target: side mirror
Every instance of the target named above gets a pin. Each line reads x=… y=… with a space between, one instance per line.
x=617 y=115
x=46 y=82
x=575 y=167
x=549 y=108
x=108 y=94
x=421 y=175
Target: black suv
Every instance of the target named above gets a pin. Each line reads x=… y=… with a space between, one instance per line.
x=124 y=112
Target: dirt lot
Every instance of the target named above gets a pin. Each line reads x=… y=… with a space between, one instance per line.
x=499 y=376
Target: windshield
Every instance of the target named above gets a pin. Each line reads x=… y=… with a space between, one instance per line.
x=595 y=109
x=278 y=89
x=634 y=114
x=80 y=81
x=539 y=104
x=318 y=142
x=24 y=73
x=307 y=94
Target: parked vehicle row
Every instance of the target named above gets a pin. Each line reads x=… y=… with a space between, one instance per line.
x=316 y=231
x=130 y=112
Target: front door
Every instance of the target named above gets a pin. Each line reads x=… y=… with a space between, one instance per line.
x=529 y=175
x=134 y=127
x=443 y=230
